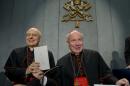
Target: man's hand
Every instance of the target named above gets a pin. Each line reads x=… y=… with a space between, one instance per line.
x=123 y=82
x=38 y=74
x=32 y=68
x=128 y=66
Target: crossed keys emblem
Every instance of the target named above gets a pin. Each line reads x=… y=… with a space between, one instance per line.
x=77 y=12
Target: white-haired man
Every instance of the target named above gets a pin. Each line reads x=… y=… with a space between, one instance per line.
x=85 y=67
x=21 y=67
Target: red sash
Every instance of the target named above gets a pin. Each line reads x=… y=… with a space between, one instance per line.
x=80 y=81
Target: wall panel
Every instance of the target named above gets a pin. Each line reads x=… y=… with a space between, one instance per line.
x=105 y=34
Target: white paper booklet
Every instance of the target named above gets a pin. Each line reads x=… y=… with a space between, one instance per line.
x=103 y=85
x=41 y=56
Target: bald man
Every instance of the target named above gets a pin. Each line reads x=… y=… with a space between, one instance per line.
x=84 y=67
x=21 y=67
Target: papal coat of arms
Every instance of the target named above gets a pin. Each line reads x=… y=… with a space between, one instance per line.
x=77 y=11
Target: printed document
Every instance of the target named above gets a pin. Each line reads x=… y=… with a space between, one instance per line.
x=41 y=56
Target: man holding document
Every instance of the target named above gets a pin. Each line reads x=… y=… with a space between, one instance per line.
x=26 y=65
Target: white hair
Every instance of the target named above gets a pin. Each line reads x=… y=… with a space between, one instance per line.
x=72 y=32
x=35 y=29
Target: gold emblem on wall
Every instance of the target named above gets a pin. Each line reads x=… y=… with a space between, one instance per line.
x=77 y=11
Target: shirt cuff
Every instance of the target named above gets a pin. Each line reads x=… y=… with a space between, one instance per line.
x=44 y=81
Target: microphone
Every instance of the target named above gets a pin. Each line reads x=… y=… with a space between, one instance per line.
x=52 y=69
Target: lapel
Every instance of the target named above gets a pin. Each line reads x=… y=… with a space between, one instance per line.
x=69 y=67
